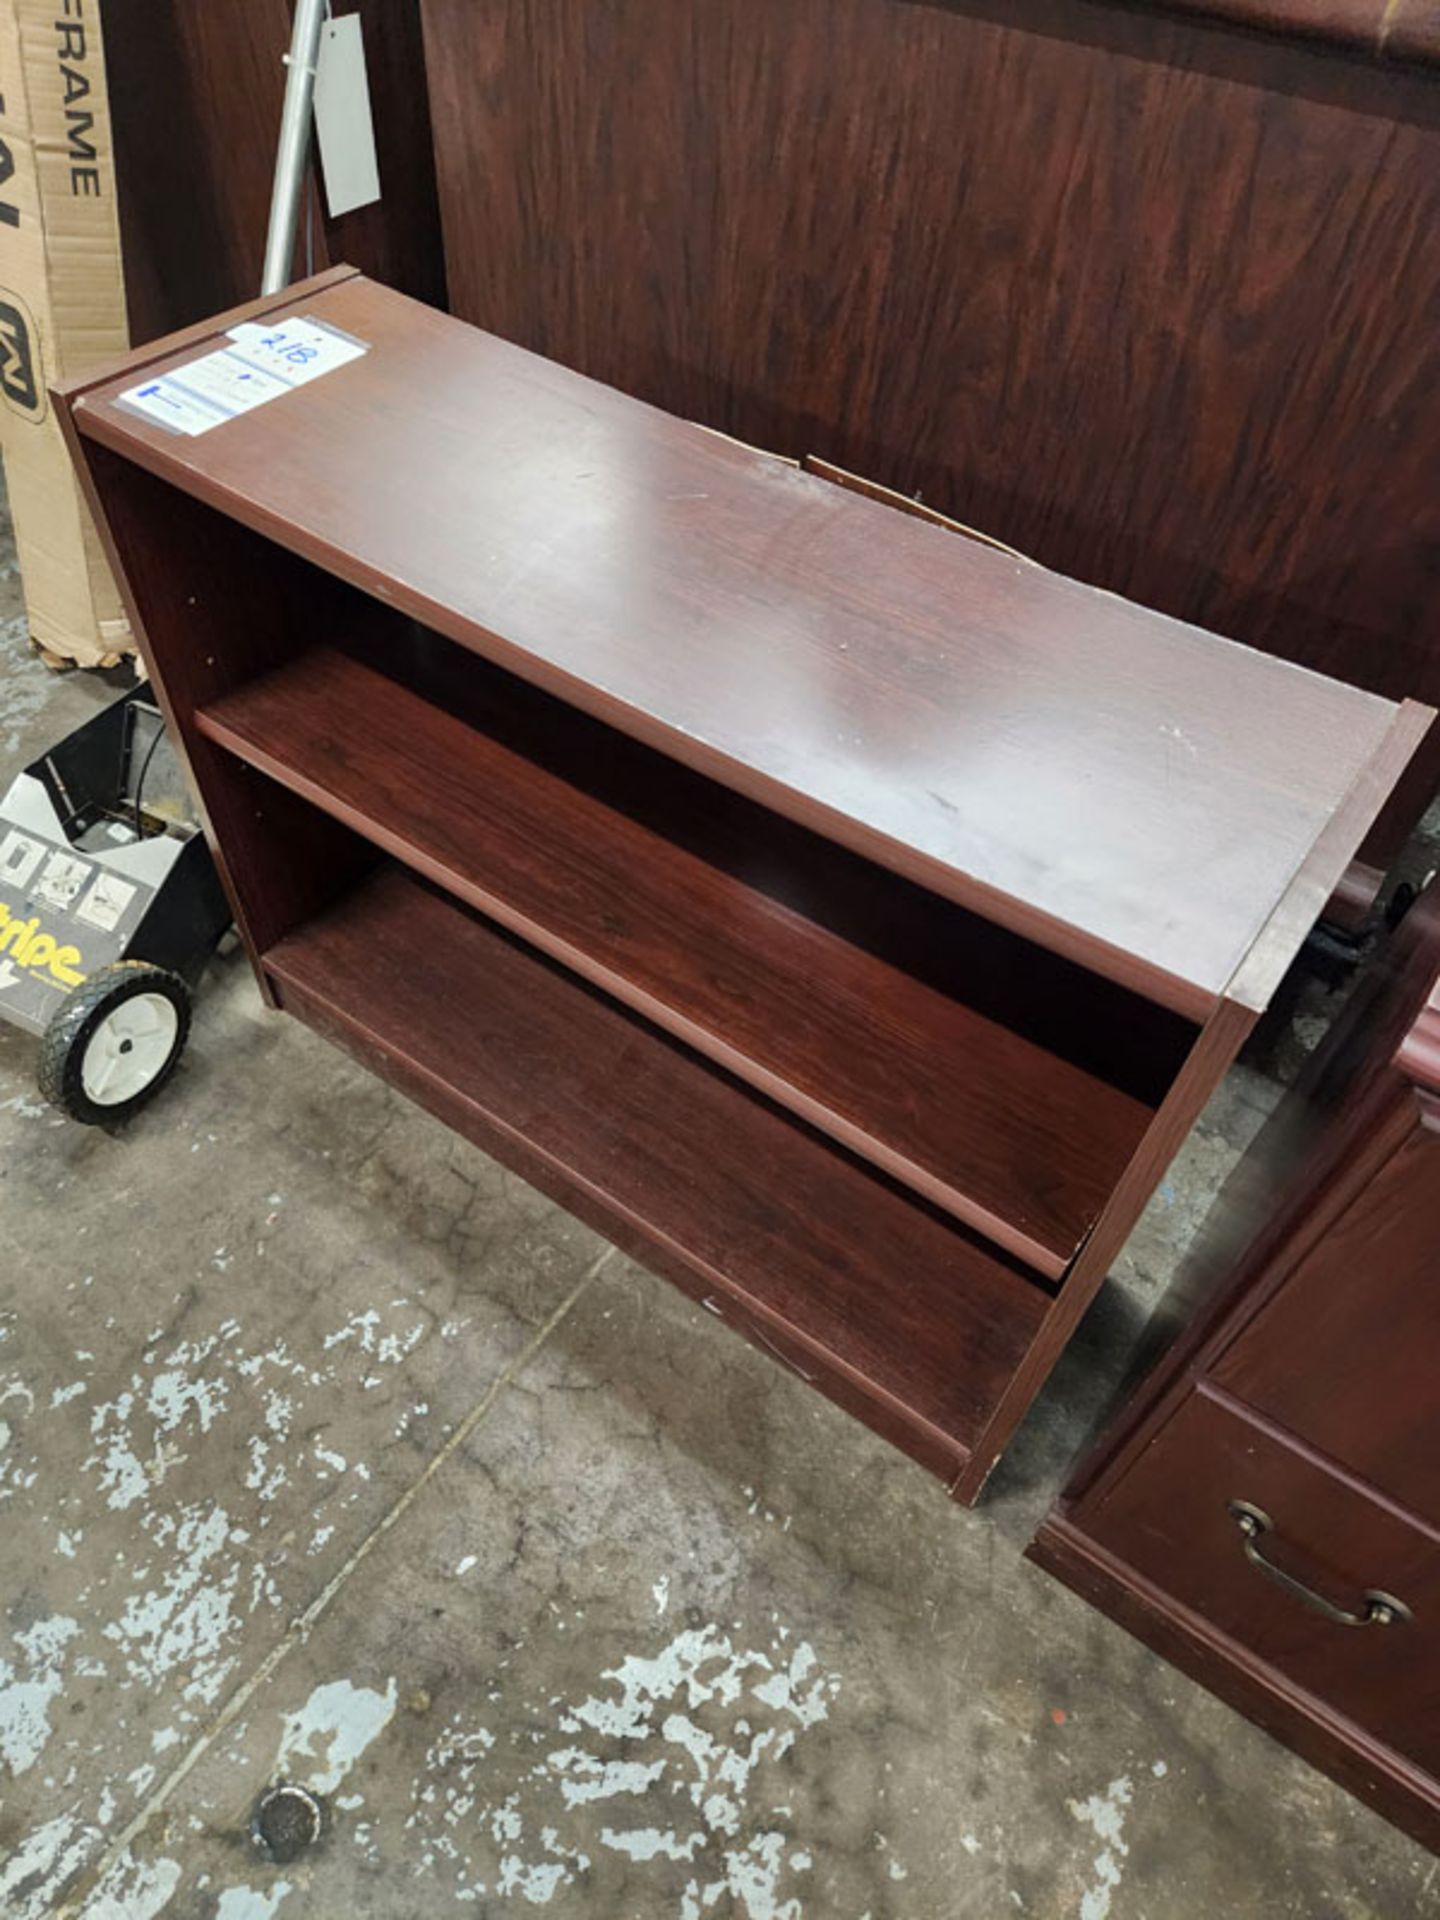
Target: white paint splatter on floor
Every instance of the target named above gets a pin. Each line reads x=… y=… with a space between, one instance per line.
x=1105 y=1814
x=133 y=1890
x=166 y=1612
x=43 y=1859
x=29 y=1108
x=244 y=1903
x=184 y=1623
x=322 y=1740
x=701 y=1720
x=25 y=1698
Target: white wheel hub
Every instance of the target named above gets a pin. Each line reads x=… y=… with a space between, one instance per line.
x=128 y=1048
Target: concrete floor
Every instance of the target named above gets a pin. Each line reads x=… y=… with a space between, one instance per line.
x=330 y=1452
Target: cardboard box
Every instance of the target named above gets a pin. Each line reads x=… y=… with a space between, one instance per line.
x=62 y=307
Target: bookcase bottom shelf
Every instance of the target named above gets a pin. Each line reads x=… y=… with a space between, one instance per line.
x=906 y=1320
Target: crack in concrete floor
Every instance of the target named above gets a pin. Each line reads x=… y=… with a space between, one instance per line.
x=300 y=1628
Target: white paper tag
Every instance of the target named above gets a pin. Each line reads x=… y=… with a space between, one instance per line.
x=343 y=126
x=263 y=363
x=294 y=351
x=168 y=402
x=225 y=383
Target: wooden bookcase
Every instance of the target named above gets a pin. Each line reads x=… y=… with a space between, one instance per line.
x=847 y=918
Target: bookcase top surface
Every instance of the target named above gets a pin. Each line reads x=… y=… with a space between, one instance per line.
x=1144 y=796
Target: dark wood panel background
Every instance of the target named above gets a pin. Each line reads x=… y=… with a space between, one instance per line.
x=1154 y=300
x=196 y=91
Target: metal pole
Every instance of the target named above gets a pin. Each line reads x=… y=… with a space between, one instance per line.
x=294 y=146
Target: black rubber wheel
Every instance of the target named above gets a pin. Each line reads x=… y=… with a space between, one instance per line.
x=113 y=1041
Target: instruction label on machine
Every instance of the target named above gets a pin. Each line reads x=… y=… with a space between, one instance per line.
x=261 y=363
x=61 y=916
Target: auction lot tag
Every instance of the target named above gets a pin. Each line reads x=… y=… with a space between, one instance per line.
x=344 y=130
x=261 y=364
x=294 y=350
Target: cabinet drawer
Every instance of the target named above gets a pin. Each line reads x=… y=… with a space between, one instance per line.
x=1171 y=1519
x=1344 y=1354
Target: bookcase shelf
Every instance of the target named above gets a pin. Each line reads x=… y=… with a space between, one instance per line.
x=661 y=1151
x=1011 y=1138
x=847 y=918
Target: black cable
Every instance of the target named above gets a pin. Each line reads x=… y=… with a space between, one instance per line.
x=144 y=769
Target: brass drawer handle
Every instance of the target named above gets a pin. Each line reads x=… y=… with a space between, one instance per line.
x=1381 y=1609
